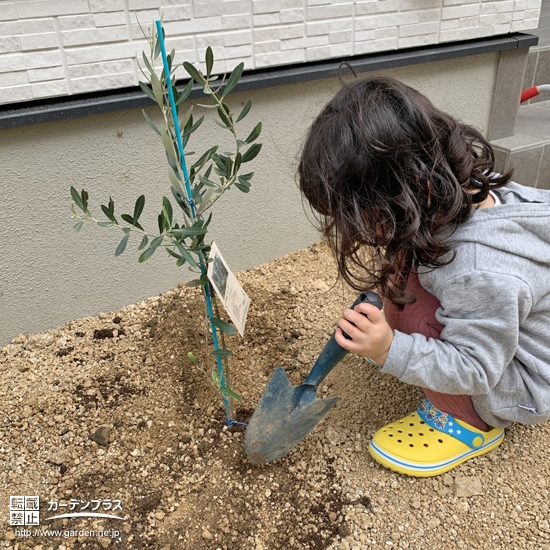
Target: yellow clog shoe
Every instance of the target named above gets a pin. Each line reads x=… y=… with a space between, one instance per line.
x=430 y=442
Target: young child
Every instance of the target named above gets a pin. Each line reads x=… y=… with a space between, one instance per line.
x=410 y=205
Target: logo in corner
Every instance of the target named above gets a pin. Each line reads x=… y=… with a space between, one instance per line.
x=24 y=510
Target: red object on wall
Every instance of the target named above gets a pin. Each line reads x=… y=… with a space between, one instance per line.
x=529 y=93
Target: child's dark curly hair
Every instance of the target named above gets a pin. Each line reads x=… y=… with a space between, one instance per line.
x=385 y=169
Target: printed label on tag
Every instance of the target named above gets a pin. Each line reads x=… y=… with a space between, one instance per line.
x=233 y=297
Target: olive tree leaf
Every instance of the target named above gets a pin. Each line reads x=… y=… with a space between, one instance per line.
x=190 y=128
x=230 y=393
x=156 y=242
x=161 y=222
x=150 y=122
x=170 y=162
x=186 y=117
x=194 y=73
x=238 y=162
x=206 y=181
x=167 y=209
x=84 y=197
x=146 y=255
x=206 y=199
x=209 y=61
x=147 y=63
x=254 y=134
x=168 y=145
x=216 y=380
x=186 y=132
x=192 y=231
x=138 y=208
x=184 y=94
x=179 y=196
x=76 y=198
x=157 y=89
x=110 y=210
x=186 y=255
x=143 y=243
x=246 y=177
x=174 y=179
x=122 y=245
x=156 y=51
x=176 y=95
x=204 y=158
x=220 y=161
x=245 y=110
x=224 y=118
x=170 y=60
x=243 y=182
x=223 y=326
x=243 y=185
x=78 y=226
x=252 y=152
x=233 y=79
x=228 y=167
x=128 y=219
x=181 y=259
x=148 y=92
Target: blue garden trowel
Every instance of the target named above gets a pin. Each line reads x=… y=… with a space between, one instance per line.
x=286 y=414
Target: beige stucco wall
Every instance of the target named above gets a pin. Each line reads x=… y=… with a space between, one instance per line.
x=51 y=48
x=49 y=274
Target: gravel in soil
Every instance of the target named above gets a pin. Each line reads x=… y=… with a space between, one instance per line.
x=110 y=408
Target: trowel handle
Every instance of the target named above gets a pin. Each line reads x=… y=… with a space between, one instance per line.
x=369 y=297
x=333 y=352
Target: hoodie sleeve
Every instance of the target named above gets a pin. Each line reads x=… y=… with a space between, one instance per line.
x=481 y=312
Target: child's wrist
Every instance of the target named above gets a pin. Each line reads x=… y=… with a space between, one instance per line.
x=379 y=360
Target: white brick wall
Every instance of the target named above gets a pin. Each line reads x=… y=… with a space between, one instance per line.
x=52 y=48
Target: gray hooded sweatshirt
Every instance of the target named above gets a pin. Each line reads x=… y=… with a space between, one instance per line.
x=495 y=308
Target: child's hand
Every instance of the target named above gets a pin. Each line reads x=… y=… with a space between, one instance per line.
x=370 y=337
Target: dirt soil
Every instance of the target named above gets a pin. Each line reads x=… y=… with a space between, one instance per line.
x=110 y=408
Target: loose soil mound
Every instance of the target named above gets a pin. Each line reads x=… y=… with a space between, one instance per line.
x=111 y=408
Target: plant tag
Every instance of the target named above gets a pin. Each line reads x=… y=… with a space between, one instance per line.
x=233 y=297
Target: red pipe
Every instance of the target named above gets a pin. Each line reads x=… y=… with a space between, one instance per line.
x=529 y=93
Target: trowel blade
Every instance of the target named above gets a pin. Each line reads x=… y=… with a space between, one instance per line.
x=284 y=416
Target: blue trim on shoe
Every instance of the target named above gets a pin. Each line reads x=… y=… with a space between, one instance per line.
x=445 y=423
x=434 y=466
